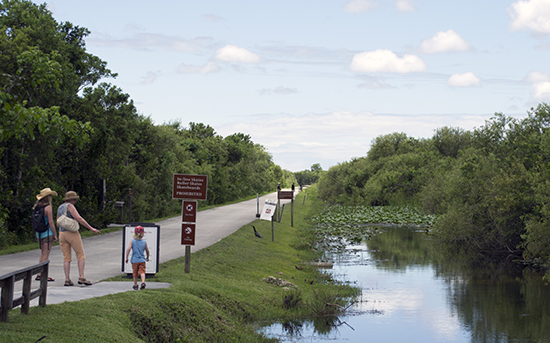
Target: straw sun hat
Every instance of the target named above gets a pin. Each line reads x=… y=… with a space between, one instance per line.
x=45 y=192
x=71 y=195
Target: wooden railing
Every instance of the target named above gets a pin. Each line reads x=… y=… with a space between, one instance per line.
x=7 y=284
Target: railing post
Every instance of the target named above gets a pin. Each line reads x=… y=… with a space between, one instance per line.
x=7 y=297
x=26 y=292
x=44 y=284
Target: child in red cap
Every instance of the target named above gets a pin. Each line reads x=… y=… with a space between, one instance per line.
x=138 y=248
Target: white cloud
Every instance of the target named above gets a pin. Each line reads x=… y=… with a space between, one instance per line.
x=279 y=90
x=232 y=53
x=537 y=76
x=208 y=68
x=541 y=90
x=533 y=15
x=444 y=41
x=404 y=6
x=464 y=80
x=149 y=78
x=331 y=138
x=380 y=61
x=357 y=6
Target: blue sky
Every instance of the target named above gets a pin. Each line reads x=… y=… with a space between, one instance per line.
x=315 y=81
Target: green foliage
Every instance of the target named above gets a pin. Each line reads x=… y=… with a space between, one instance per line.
x=61 y=128
x=489 y=187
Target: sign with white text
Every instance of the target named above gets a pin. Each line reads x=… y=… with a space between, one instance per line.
x=187 y=234
x=190 y=187
x=189 y=211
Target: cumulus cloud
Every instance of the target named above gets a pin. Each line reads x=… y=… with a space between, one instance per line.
x=540 y=85
x=444 y=41
x=532 y=15
x=541 y=91
x=357 y=6
x=386 y=61
x=464 y=80
x=232 y=53
x=404 y=6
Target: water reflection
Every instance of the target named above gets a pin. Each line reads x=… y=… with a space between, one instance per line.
x=415 y=289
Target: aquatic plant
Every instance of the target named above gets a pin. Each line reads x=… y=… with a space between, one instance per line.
x=338 y=225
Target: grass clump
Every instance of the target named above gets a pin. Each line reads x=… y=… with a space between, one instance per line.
x=223 y=299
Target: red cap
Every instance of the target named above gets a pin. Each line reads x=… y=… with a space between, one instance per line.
x=139 y=229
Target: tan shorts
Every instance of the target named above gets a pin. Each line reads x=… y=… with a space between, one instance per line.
x=138 y=268
x=68 y=240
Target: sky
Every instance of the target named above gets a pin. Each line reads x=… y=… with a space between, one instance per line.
x=315 y=81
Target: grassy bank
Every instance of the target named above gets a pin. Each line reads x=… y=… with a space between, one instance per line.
x=223 y=299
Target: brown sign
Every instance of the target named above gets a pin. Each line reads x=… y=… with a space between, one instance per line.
x=187 y=234
x=282 y=195
x=189 y=211
x=192 y=187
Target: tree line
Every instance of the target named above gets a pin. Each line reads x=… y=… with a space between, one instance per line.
x=60 y=127
x=490 y=186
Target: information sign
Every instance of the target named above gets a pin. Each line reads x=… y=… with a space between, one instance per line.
x=152 y=237
x=282 y=195
x=190 y=187
x=268 y=210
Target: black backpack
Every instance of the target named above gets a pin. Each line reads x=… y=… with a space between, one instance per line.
x=38 y=222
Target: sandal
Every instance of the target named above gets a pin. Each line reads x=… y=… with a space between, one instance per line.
x=49 y=278
x=142 y=286
x=69 y=283
x=135 y=287
x=83 y=281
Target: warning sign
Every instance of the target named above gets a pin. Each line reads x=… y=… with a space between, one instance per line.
x=192 y=187
x=189 y=211
x=187 y=234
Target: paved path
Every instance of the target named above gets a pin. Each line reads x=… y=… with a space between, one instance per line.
x=104 y=252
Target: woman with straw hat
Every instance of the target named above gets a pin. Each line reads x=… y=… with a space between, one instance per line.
x=46 y=238
x=68 y=239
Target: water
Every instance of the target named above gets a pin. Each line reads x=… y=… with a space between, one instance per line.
x=415 y=290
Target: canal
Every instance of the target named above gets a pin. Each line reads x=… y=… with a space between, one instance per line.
x=414 y=289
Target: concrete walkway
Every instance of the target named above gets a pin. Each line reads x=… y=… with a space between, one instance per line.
x=104 y=252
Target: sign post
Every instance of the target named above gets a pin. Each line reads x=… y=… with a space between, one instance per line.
x=189 y=188
x=267 y=214
x=288 y=195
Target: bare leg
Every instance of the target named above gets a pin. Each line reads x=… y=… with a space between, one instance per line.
x=44 y=252
x=135 y=280
x=81 y=264
x=67 y=270
x=142 y=278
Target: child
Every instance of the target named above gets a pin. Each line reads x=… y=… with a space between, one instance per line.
x=138 y=246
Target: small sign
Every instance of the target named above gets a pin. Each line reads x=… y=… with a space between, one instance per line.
x=268 y=210
x=187 y=234
x=191 y=187
x=189 y=211
x=282 y=195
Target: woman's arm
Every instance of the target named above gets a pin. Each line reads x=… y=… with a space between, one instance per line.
x=77 y=217
x=49 y=215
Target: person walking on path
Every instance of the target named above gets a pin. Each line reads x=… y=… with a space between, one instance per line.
x=68 y=239
x=138 y=248
x=46 y=238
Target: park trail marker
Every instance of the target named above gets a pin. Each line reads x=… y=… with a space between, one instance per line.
x=189 y=188
x=286 y=195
